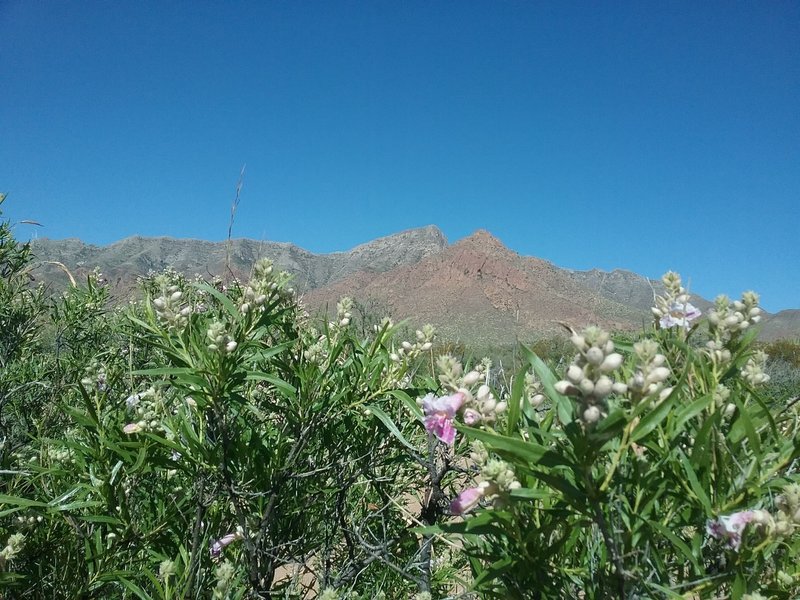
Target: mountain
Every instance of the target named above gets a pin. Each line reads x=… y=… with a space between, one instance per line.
x=475 y=290
x=127 y=259
x=479 y=290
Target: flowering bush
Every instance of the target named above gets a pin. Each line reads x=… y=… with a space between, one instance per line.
x=214 y=440
x=653 y=469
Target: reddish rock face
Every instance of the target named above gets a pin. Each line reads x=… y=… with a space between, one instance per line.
x=479 y=289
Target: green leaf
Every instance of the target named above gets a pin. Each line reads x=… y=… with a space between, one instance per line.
x=408 y=402
x=679 y=544
x=285 y=388
x=655 y=417
x=378 y=412
x=16 y=501
x=563 y=404
x=694 y=483
x=688 y=412
x=515 y=402
x=223 y=299
x=529 y=452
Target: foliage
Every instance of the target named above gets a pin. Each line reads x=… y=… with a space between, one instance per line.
x=212 y=440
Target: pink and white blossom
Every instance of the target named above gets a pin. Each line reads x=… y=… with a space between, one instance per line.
x=439 y=415
x=729 y=528
x=681 y=314
x=466 y=500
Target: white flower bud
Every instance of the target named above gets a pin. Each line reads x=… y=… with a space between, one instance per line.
x=483 y=392
x=407 y=346
x=619 y=388
x=176 y=296
x=594 y=356
x=159 y=303
x=586 y=386
x=602 y=387
x=563 y=387
x=575 y=374
x=426 y=346
x=657 y=375
x=501 y=407
x=611 y=362
x=591 y=415
x=471 y=378
x=230 y=346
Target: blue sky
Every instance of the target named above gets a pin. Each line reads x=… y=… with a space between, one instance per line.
x=636 y=135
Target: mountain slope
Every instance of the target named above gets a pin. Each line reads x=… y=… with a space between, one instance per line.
x=479 y=290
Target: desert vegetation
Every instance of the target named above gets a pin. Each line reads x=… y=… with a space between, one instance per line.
x=210 y=438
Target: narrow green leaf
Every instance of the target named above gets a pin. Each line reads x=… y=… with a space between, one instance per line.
x=378 y=412
x=564 y=405
x=530 y=452
x=694 y=483
x=515 y=402
x=407 y=401
x=285 y=388
x=222 y=298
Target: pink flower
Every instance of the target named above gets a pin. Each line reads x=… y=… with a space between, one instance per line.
x=439 y=415
x=472 y=417
x=217 y=546
x=729 y=528
x=466 y=500
x=680 y=315
x=132 y=428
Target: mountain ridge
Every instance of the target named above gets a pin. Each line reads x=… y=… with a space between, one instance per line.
x=473 y=288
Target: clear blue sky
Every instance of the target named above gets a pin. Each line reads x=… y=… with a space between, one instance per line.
x=637 y=135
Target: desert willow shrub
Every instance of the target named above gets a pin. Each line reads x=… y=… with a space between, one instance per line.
x=654 y=469
x=209 y=442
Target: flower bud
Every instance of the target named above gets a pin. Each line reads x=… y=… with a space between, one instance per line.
x=471 y=378
x=594 y=356
x=575 y=374
x=611 y=362
x=602 y=387
x=591 y=415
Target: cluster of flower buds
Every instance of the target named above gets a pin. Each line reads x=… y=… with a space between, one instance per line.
x=788 y=505
x=12 y=548
x=534 y=391
x=167 y=569
x=95 y=377
x=717 y=352
x=423 y=343
x=147 y=408
x=317 y=351
x=727 y=318
x=722 y=401
x=170 y=309
x=753 y=370
x=225 y=572
x=673 y=309
x=343 y=312
x=498 y=480
x=479 y=403
x=264 y=283
x=588 y=377
x=651 y=373
x=29 y=521
x=221 y=340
